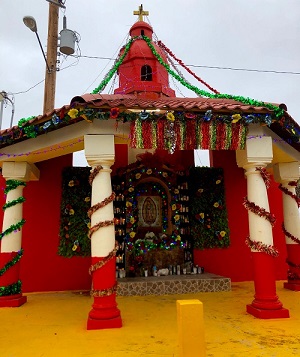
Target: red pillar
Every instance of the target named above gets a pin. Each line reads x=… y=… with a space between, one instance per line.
x=11 y=276
x=293 y=253
x=104 y=313
x=265 y=304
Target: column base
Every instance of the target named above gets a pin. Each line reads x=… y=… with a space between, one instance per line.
x=268 y=314
x=95 y=324
x=12 y=300
x=292 y=286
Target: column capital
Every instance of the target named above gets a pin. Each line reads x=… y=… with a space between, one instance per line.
x=258 y=152
x=20 y=170
x=286 y=171
x=99 y=150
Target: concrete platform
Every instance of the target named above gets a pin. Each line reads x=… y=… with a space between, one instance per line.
x=173 y=284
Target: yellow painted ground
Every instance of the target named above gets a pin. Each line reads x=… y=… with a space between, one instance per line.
x=54 y=325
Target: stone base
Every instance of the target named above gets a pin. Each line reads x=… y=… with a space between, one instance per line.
x=12 y=300
x=268 y=314
x=291 y=286
x=95 y=324
x=173 y=284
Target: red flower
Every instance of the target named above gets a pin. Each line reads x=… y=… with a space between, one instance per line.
x=114 y=112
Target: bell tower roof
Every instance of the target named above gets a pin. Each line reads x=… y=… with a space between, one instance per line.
x=140 y=72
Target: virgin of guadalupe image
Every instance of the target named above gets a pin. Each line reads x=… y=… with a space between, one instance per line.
x=149 y=211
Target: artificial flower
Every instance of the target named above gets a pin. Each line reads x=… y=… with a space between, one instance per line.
x=132 y=234
x=216 y=204
x=89 y=225
x=235 y=118
x=132 y=220
x=114 y=112
x=173 y=206
x=200 y=190
x=165 y=174
x=178 y=238
x=222 y=233
x=170 y=116
x=218 y=182
x=138 y=176
x=176 y=217
x=201 y=215
x=149 y=172
x=176 y=191
x=131 y=189
x=87 y=199
x=128 y=204
x=71 y=212
x=71 y=183
x=73 y=113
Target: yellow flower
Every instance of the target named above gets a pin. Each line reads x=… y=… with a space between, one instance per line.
x=200 y=190
x=138 y=176
x=128 y=204
x=176 y=191
x=165 y=174
x=216 y=205
x=87 y=199
x=178 y=238
x=177 y=217
x=71 y=212
x=132 y=234
x=131 y=189
x=235 y=118
x=89 y=225
x=170 y=116
x=71 y=183
x=73 y=113
x=201 y=215
x=74 y=247
x=132 y=220
x=149 y=172
x=173 y=207
x=222 y=233
x=218 y=182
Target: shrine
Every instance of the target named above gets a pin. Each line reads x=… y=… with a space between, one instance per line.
x=142 y=210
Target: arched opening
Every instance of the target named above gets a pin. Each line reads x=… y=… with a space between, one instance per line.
x=146 y=73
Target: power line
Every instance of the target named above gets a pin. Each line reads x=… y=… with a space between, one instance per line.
x=211 y=67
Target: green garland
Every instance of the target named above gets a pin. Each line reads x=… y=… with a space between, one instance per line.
x=13 y=202
x=12 y=289
x=13 y=227
x=12 y=185
x=278 y=111
x=11 y=263
x=108 y=77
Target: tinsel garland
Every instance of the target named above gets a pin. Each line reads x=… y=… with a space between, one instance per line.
x=110 y=74
x=278 y=111
x=165 y=48
x=291 y=236
x=265 y=175
x=13 y=202
x=12 y=185
x=293 y=276
x=104 y=292
x=12 y=262
x=12 y=289
x=99 y=205
x=13 y=227
x=100 y=225
x=101 y=263
x=94 y=173
x=293 y=265
x=261 y=247
x=289 y=193
x=260 y=211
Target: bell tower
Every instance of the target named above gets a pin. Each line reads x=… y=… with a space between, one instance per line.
x=141 y=73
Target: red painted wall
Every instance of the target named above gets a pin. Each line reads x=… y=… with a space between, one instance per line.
x=235 y=261
x=42 y=269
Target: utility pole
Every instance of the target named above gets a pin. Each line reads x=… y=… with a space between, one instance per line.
x=52 y=43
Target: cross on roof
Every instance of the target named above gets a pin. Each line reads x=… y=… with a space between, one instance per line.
x=141 y=13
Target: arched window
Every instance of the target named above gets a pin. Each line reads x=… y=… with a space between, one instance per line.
x=146 y=73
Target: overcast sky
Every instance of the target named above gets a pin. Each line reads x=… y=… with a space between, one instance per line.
x=262 y=35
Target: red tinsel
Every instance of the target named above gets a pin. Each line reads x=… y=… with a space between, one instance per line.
x=221 y=136
x=204 y=127
x=161 y=134
x=178 y=136
x=293 y=265
x=261 y=247
x=265 y=175
x=235 y=141
x=261 y=212
x=147 y=134
x=289 y=193
x=190 y=139
x=288 y=234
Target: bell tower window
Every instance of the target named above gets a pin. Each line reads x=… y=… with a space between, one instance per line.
x=146 y=73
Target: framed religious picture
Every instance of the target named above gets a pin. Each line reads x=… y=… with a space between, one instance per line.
x=149 y=211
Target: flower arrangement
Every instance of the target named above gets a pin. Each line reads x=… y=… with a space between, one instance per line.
x=209 y=222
